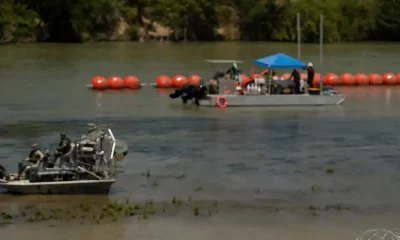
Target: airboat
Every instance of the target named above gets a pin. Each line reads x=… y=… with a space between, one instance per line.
x=88 y=168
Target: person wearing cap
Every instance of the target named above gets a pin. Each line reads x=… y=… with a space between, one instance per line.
x=296 y=77
x=93 y=133
x=64 y=146
x=310 y=74
x=35 y=156
x=233 y=72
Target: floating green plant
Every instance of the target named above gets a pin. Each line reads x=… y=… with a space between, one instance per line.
x=314 y=188
x=329 y=170
x=155 y=183
x=86 y=212
x=196 y=209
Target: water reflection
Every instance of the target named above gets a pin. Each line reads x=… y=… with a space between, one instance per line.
x=163 y=91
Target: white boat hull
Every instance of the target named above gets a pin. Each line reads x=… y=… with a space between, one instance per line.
x=61 y=187
x=275 y=100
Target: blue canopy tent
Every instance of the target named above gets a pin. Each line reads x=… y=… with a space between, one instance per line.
x=279 y=60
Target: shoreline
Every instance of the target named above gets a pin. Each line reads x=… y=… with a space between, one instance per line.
x=202 y=42
x=238 y=224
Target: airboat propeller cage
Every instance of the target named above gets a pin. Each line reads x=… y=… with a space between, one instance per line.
x=113 y=145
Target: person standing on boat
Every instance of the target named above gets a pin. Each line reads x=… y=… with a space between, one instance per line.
x=233 y=72
x=35 y=156
x=310 y=74
x=296 y=77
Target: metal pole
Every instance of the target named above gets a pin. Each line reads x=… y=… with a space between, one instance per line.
x=298 y=37
x=321 y=39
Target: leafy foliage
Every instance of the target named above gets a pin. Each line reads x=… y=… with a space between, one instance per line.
x=16 y=21
x=67 y=20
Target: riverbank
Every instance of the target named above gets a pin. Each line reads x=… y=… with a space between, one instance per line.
x=179 y=221
x=180 y=20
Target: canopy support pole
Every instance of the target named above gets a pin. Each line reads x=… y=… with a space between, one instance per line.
x=298 y=37
x=321 y=42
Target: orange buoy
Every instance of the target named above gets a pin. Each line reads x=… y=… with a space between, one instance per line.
x=163 y=81
x=331 y=79
x=303 y=76
x=347 y=79
x=194 y=79
x=361 y=79
x=132 y=82
x=115 y=82
x=285 y=76
x=179 y=81
x=316 y=80
x=389 y=79
x=375 y=79
x=99 y=83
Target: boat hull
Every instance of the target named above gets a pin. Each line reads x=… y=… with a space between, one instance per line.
x=275 y=100
x=61 y=187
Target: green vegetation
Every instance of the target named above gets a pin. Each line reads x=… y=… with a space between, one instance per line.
x=203 y=20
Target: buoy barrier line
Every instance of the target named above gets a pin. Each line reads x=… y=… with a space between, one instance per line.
x=178 y=81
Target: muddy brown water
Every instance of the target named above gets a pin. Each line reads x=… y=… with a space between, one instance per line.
x=250 y=160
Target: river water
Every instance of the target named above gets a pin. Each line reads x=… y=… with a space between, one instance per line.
x=255 y=158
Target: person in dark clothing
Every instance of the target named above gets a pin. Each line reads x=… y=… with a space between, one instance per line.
x=64 y=146
x=190 y=91
x=233 y=71
x=296 y=77
x=218 y=74
x=4 y=175
x=310 y=74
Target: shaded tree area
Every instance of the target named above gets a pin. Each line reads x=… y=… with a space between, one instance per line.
x=197 y=20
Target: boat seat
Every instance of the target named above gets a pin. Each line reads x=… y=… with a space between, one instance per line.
x=88 y=149
x=60 y=161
